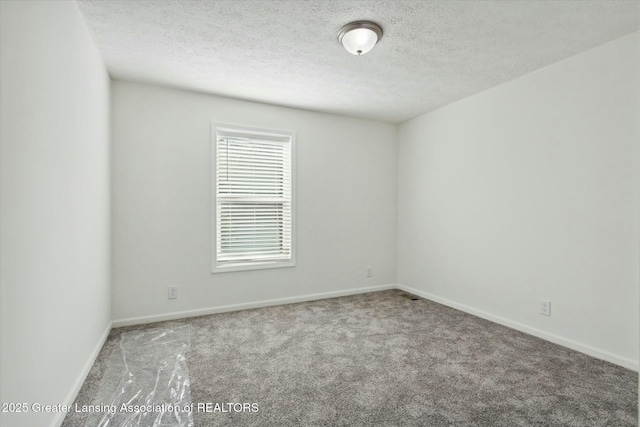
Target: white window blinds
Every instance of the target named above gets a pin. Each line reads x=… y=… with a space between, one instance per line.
x=253 y=198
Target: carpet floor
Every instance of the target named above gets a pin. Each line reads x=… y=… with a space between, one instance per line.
x=383 y=359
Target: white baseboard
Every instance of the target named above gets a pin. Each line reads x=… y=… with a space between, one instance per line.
x=556 y=339
x=248 y=305
x=71 y=395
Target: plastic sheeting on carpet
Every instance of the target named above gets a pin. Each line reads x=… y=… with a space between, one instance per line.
x=146 y=382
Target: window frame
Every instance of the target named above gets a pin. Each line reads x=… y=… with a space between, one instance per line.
x=249 y=130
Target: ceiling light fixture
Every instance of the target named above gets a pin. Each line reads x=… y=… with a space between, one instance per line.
x=359 y=37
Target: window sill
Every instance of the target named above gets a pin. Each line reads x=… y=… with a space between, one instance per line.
x=255 y=266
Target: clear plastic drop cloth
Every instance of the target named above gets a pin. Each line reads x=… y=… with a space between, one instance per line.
x=146 y=382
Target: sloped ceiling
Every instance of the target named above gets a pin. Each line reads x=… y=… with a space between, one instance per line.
x=285 y=52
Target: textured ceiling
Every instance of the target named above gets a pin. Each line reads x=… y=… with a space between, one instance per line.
x=285 y=52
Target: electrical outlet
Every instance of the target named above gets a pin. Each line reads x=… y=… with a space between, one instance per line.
x=173 y=292
x=545 y=307
x=369 y=272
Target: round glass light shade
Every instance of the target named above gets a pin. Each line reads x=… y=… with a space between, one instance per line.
x=359 y=37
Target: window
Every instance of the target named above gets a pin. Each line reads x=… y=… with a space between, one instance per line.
x=253 y=198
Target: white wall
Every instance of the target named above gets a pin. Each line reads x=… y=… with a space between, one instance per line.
x=346 y=205
x=530 y=190
x=54 y=154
